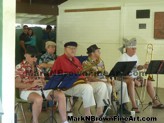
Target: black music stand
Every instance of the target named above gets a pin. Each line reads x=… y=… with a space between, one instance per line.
x=155 y=67
x=122 y=69
x=59 y=82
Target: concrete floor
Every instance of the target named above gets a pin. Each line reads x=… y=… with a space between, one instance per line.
x=149 y=112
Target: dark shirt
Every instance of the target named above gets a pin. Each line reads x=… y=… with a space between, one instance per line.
x=48 y=36
x=24 y=37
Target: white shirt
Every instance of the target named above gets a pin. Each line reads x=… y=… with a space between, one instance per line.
x=126 y=57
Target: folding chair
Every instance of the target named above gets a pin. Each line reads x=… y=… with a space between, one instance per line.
x=18 y=105
x=141 y=96
x=71 y=100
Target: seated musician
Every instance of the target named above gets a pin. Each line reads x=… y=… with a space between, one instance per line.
x=130 y=55
x=47 y=60
x=29 y=79
x=97 y=73
x=68 y=63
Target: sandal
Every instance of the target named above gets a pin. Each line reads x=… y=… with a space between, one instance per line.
x=135 y=109
x=160 y=106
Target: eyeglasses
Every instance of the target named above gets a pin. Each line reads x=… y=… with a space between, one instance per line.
x=32 y=56
x=72 y=48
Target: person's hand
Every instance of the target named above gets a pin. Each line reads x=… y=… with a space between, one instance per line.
x=137 y=83
x=42 y=65
x=92 y=79
x=146 y=65
x=43 y=82
x=45 y=65
x=38 y=83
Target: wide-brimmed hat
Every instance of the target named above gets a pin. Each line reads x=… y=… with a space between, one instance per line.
x=92 y=48
x=49 y=43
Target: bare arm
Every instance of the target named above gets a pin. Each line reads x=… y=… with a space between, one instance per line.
x=45 y=65
x=92 y=79
x=19 y=84
x=141 y=67
x=128 y=78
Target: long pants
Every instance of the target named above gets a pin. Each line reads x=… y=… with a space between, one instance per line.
x=92 y=93
x=117 y=87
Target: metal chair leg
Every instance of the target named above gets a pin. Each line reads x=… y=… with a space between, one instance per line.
x=115 y=106
x=69 y=99
x=24 y=117
x=138 y=96
x=16 y=107
x=80 y=108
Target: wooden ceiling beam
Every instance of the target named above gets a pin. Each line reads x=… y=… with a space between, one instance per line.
x=50 y=2
x=37 y=9
x=93 y=9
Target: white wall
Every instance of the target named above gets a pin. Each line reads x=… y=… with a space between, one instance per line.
x=144 y=36
x=86 y=29
x=106 y=28
x=101 y=28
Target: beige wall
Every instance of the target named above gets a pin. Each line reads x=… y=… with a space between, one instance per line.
x=107 y=28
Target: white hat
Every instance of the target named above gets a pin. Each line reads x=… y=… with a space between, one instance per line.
x=129 y=43
x=50 y=43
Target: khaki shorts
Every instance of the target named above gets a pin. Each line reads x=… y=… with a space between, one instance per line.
x=24 y=94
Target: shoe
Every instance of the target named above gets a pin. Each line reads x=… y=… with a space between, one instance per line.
x=160 y=106
x=107 y=113
x=135 y=109
x=124 y=111
x=88 y=121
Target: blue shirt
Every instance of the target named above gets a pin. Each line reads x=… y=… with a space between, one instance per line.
x=32 y=41
x=47 y=58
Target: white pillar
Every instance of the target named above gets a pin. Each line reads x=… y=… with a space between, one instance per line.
x=8 y=60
